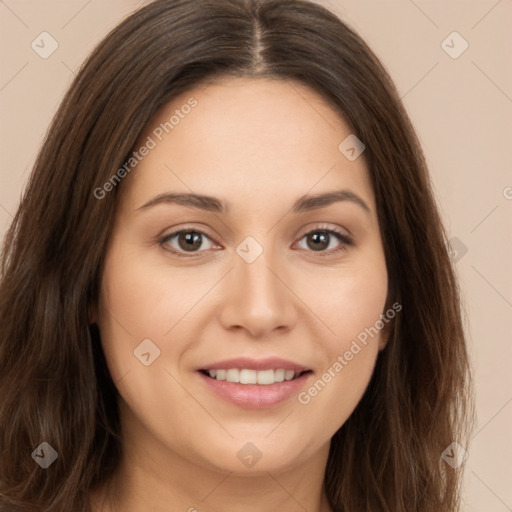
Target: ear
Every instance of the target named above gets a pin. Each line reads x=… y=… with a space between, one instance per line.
x=385 y=334
x=389 y=319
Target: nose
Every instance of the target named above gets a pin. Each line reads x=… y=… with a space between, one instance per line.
x=257 y=299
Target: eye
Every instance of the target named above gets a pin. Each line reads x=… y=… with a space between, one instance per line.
x=325 y=240
x=187 y=241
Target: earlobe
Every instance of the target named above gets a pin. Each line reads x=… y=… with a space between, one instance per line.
x=388 y=317
x=383 y=340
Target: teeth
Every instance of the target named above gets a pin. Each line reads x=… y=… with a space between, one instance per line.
x=279 y=375
x=233 y=375
x=289 y=374
x=246 y=376
x=265 y=377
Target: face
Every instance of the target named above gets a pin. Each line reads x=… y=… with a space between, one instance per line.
x=245 y=278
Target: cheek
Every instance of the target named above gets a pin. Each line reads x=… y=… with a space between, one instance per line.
x=350 y=303
x=349 y=298
x=129 y=310
x=143 y=298
x=331 y=397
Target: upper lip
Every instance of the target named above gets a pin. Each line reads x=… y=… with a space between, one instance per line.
x=266 y=363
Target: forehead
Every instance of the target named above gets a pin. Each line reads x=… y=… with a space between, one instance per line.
x=246 y=137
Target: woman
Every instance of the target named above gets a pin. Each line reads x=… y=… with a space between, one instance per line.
x=227 y=285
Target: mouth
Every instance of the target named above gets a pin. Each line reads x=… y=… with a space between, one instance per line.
x=248 y=376
x=255 y=383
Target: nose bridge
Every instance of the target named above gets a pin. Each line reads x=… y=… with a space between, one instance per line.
x=258 y=284
x=256 y=300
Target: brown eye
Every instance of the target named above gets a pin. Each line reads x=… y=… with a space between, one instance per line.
x=318 y=241
x=190 y=241
x=186 y=241
x=326 y=241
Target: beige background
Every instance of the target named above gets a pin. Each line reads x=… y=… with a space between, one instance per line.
x=461 y=109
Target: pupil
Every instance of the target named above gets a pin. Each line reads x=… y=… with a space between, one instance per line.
x=190 y=241
x=320 y=240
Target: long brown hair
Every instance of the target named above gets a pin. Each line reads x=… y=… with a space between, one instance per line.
x=54 y=386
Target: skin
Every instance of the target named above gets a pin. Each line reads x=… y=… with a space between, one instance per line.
x=258 y=144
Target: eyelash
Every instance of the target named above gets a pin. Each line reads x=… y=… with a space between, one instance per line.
x=343 y=238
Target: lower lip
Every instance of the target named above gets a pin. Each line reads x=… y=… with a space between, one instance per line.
x=256 y=396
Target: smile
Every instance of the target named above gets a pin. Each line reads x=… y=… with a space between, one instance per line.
x=248 y=376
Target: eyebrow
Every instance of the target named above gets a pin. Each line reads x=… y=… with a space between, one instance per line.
x=212 y=204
